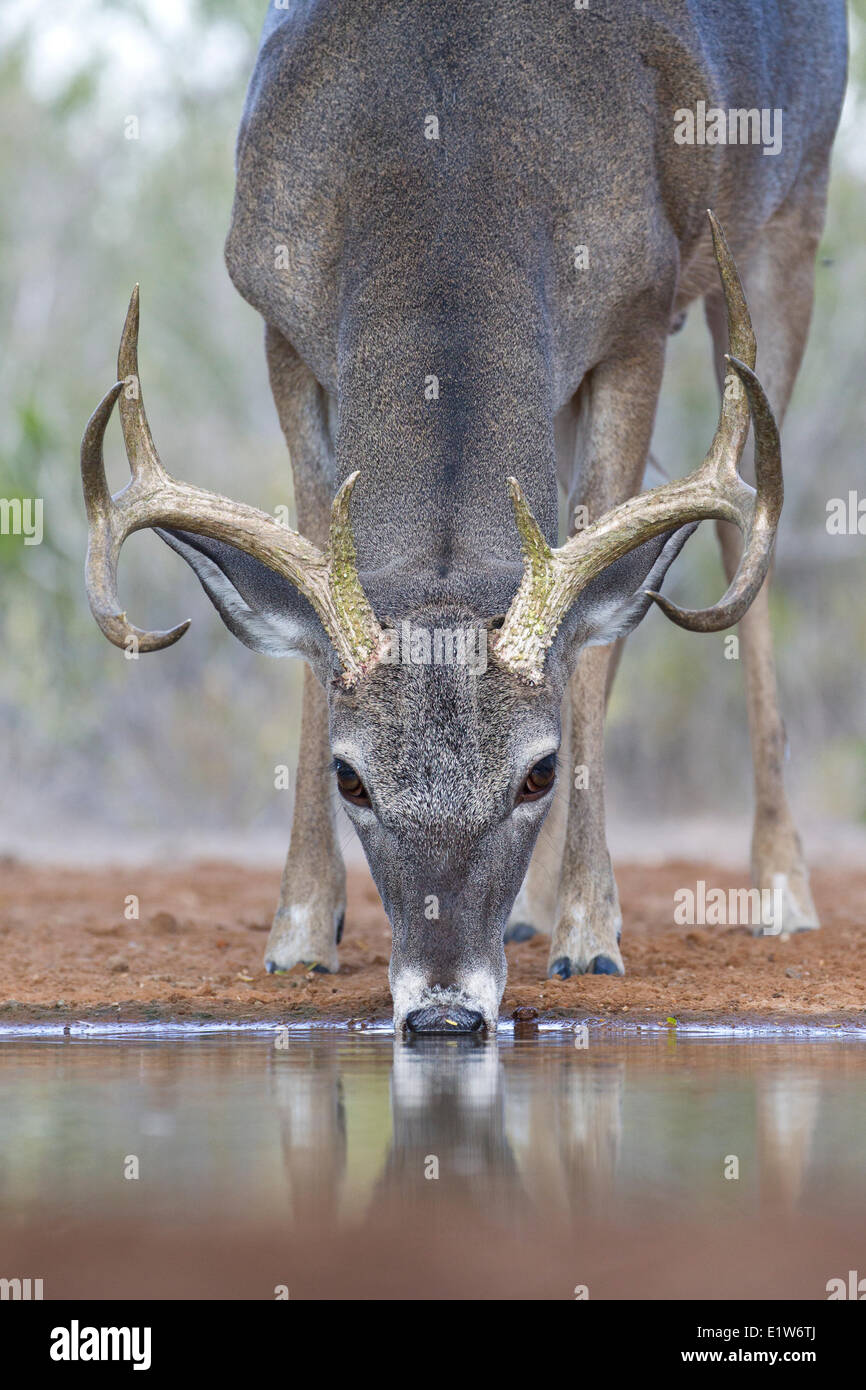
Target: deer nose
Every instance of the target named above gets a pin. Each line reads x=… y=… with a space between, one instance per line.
x=435 y=1018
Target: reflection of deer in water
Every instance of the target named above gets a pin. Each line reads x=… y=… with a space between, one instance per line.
x=307 y=1091
x=787 y=1112
x=567 y=1133
x=456 y=1129
x=449 y=1136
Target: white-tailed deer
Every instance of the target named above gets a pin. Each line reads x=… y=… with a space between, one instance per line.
x=469 y=229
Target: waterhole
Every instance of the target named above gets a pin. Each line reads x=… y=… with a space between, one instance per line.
x=325 y=1164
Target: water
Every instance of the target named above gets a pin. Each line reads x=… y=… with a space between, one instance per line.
x=359 y=1165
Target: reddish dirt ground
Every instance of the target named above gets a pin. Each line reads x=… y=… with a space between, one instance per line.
x=195 y=953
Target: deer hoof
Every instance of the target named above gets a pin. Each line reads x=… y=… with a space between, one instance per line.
x=519 y=931
x=304 y=934
x=273 y=969
x=603 y=965
x=562 y=968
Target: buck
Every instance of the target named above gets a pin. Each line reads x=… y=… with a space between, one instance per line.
x=380 y=258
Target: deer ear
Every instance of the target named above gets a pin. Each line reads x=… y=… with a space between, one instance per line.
x=614 y=603
x=262 y=609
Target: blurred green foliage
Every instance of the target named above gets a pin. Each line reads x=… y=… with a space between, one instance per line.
x=192 y=736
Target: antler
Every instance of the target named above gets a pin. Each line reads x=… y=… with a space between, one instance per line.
x=153 y=498
x=554 y=579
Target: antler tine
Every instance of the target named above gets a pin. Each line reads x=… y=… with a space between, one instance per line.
x=140 y=448
x=107 y=533
x=353 y=611
x=758 y=517
x=758 y=511
x=152 y=498
x=733 y=428
x=741 y=335
x=553 y=581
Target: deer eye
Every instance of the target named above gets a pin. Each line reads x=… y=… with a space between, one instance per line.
x=350 y=784
x=540 y=779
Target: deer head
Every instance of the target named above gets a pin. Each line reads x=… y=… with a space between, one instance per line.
x=446 y=769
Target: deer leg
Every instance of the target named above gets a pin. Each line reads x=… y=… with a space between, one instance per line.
x=309 y=919
x=777 y=854
x=779 y=283
x=589 y=922
x=615 y=417
x=535 y=906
